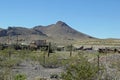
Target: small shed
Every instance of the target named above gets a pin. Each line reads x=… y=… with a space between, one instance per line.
x=38 y=43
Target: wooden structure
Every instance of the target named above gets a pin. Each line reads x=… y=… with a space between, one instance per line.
x=37 y=44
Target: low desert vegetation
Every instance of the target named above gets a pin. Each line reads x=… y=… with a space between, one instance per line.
x=20 y=77
x=80 y=69
x=81 y=65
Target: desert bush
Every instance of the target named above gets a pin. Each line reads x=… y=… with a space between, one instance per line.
x=49 y=62
x=20 y=77
x=79 y=69
x=8 y=59
x=69 y=47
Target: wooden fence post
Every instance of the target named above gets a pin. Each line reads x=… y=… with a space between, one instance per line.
x=98 y=56
x=49 y=47
x=44 y=58
x=71 y=50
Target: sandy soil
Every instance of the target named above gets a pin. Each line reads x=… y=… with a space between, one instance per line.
x=33 y=69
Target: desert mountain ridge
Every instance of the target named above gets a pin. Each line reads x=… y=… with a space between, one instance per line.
x=60 y=31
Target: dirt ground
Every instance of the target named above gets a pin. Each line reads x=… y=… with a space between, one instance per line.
x=33 y=70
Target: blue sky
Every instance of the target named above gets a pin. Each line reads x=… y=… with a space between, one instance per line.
x=98 y=18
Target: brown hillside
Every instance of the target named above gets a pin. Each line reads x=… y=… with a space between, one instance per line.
x=61 y=30
x=60 y=33
x=12 y=31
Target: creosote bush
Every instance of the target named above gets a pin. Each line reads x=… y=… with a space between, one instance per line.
x=20 y=77
x=80 y=69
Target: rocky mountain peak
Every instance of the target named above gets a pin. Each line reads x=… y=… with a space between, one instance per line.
x=61 y=23
x=59 y=30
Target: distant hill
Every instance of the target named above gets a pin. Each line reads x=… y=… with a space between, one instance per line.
x=12 y=31
x=1 y=29
x=61 y=30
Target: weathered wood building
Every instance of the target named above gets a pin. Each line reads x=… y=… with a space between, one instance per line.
x=36 y=44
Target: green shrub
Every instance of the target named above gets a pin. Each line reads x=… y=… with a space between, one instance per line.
x=20 y=77
x=69 y=47
x=79 y=69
